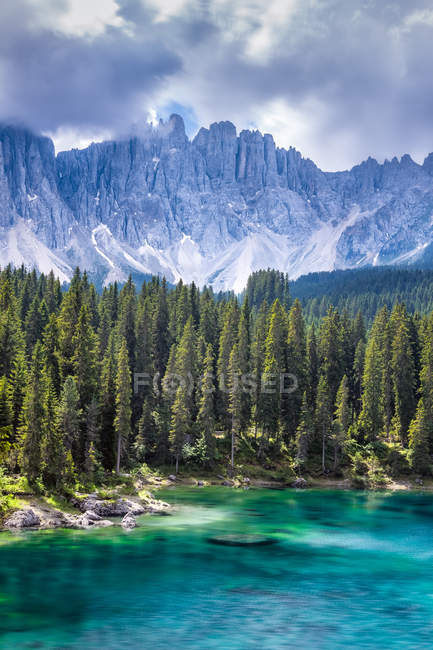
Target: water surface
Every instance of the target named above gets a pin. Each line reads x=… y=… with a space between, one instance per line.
x=349 y=569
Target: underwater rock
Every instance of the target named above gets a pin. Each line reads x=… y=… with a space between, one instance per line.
x=242 y=540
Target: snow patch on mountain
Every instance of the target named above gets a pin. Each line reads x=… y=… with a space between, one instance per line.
x=20 y=246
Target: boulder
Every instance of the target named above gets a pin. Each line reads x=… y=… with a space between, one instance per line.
x=299 y=483
x=23 y=519
x=200 y=484
x=129 y=521
x=171 y=477
x=107 y=508
x=88 y=520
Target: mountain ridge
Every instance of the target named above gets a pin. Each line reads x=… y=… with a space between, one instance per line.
x=211 y=209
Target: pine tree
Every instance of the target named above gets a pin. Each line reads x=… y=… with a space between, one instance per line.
x=91 y=456
x=323 y=415
x=146 y=441
x=6 y=430
x=330 y=352
x=358 y=372
x=11 y=337
x=312 y=378
x=17 y=388
x=53 y=457
x=342 y=418
x=160 y=334
x=371 y=416
x=107 y=404
x=227 y=340
x=235 y=399
x=180 y=425
x=84 y=359
x=421 y=427
x=69 y=419
x=50 y=339
x=304 y=431
x=33 y=418
x=122 y=420
x=67 y=323
x=257 y=363
x=296 y=365
x=127 y=319
x=403 y=379
x=206 y=410
x=275 y=363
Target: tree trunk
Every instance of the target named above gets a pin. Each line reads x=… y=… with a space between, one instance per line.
x=233 y=450
x=119 y=446
x=323 y=451
x=177 y=464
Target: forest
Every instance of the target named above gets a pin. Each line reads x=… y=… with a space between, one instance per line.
x=96 y=384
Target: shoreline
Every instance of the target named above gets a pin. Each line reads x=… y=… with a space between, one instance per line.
x=82 y=512
x=87 y=511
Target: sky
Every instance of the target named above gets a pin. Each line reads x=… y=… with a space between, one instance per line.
x=340 y=80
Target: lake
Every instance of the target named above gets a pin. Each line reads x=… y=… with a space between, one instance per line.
x=347 y=569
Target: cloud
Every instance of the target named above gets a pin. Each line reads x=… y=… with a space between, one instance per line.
x=338 y=79
x=57 y=74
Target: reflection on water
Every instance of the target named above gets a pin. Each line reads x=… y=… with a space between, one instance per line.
x=347 y=569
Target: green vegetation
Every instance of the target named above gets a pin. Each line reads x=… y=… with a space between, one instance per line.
x=92 y=385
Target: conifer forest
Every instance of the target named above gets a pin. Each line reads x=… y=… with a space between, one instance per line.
x=177 y=377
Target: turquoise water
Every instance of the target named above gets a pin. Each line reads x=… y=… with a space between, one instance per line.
x=350 y=569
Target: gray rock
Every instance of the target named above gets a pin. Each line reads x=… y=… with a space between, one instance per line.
x=171 y=477
x=88 y=520
x=129 y=521
x=23 y=519
x=200 y=483
x=108 y=508
x=299 y=483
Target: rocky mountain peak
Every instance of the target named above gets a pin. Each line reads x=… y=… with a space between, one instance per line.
x=211 y=209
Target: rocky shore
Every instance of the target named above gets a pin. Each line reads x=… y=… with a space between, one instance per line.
x=92 y=512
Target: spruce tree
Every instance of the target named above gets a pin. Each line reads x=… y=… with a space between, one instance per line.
x=342 y=418
x=296 y=365
x=53 y=457
x=304 y=431
x=122 y=420
x=33 y=418
x=206 y=407
x=180 y=425
x=227 y=340
x=84 y=359
x=371 y=417
x=323 y=415
x=69 y=419
x=404 y=380
x=107 y=404
x=421 y=427
x=6 y=429
x=275 y=363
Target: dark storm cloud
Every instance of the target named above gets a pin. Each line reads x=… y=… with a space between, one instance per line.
x=340 y=79
x=52 y=80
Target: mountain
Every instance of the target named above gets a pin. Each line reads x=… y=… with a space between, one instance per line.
x=210 y=210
